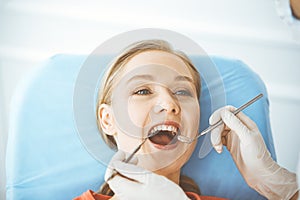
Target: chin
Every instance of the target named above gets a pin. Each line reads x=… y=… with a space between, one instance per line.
x=163 y=163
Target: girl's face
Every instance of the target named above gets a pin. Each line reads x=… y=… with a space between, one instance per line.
x=156 y=95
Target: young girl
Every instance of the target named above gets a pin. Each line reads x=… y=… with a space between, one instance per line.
x=151 y=94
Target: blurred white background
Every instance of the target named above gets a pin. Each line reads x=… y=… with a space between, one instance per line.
x=33 y=30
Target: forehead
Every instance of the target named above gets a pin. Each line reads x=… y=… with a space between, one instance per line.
x=156 y=57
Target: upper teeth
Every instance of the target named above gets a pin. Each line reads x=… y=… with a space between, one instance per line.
x=170 y=128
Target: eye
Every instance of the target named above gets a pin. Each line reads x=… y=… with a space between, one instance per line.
x=183 y=93
x=143 y=92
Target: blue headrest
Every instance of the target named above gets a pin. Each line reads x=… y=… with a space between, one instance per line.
x=45 y=156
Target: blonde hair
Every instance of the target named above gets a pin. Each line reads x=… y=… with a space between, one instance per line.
x=117 y=67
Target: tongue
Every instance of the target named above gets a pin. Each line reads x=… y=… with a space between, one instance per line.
x=162 y=138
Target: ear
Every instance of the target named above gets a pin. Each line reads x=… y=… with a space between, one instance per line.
x=106 y=119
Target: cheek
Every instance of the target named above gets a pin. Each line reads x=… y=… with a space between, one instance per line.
x=190 y=150
x=187 y=154
x=191 y=114
x=139 y=113
x=125 y=142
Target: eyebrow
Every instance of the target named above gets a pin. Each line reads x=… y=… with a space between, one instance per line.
x=144 y=76
x=184 y=78
x=151 y=78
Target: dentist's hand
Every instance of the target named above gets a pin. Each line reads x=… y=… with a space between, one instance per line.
x=248 y=150
x=137 y=183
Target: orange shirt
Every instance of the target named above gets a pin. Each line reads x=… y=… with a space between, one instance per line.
x=90 y=195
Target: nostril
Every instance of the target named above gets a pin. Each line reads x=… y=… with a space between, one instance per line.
x=174 y=108
x=158 y=108
x=168 y=107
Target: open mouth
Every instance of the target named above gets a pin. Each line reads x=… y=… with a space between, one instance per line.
x=164 y=135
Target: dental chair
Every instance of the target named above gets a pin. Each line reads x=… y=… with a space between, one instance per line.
x=47 y=158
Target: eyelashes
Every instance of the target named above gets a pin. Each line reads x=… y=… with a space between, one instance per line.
x=183 y=92
x=177 y=92
x=142 y=92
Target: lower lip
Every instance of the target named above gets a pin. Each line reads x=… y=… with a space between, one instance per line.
x=165 y=147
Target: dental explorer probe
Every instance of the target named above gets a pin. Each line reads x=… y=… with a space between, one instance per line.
x=188 y=140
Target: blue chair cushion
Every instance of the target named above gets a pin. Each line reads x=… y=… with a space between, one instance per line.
x=47 y=159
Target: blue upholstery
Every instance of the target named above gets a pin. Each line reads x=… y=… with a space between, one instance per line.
x=45 y=156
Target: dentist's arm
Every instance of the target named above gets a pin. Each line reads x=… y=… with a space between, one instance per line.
x=248 y=150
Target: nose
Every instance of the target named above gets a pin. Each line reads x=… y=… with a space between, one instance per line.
x=167 y=102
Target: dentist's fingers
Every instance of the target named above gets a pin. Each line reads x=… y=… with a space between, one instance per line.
x=131 y=171
x=235 y=124
x=242 y=117
x=216 y=134
x=135 y=183
x=216 y=138
x=240 y=124
x=251 y=125
x=119 y=156
x=118 y=184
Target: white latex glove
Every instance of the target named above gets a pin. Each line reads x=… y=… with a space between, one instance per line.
x=248 y=150
x=143 y=184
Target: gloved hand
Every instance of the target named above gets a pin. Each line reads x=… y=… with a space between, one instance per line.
x=140 y=184
x=248 y=150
